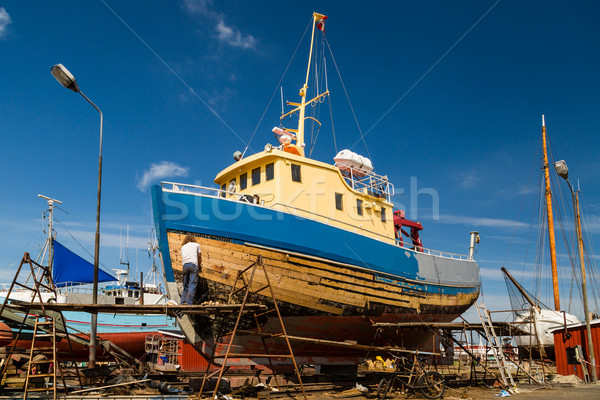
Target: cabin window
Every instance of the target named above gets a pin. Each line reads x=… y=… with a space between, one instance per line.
x=338 y=201
x=119 y=300
x=383 y=217
x=223 y=189
x=136 y=294
x=296 y=173
x=270 y=171
x=243 y=181
x=130 y=293
x=359 y=207
x=255 y=176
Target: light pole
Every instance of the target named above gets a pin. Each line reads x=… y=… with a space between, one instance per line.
x=563 y=172
x=65 y=78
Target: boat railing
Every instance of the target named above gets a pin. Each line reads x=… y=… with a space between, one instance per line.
x=369 y=183
x=75 y=287
x=203 y=190
x=431 y=252
x=220 y=193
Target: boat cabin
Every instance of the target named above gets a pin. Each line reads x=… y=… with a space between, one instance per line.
x=339 y=195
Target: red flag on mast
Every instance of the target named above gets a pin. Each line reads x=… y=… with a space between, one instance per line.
x=321 y=21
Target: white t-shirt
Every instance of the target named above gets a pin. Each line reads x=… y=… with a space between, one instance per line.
x=189 y=253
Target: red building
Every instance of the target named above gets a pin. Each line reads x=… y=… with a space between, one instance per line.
x=566 y=343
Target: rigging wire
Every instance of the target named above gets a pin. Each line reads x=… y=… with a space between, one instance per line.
x=557 y=188
x=362 y=136
x=319 y=78
x=80 y=245
x=591 y=260
x=276 y=87
x=519 y=217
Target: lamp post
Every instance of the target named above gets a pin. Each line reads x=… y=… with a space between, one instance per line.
x=65 y=78
x=563 y=172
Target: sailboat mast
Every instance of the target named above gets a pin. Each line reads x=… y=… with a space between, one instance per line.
x=550 y=220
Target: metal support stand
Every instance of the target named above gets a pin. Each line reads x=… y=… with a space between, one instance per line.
x=47 y=324
x=246 y=288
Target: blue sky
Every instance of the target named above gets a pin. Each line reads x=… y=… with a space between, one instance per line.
x=450 y=93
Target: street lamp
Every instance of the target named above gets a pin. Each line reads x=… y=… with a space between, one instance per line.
x=563 y=172
x=65 y=78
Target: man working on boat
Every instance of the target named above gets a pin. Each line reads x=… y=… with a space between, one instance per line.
x=191 y=257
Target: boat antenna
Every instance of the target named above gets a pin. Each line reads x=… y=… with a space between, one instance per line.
x=282 y=109
x=51 y=233
x=124 y=256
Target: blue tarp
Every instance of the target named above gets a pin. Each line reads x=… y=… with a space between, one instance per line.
x=69 y=268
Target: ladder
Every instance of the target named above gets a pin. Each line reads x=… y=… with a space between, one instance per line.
x=248 y=291
x=495 y=344
x=40 y=365
x=48 y=324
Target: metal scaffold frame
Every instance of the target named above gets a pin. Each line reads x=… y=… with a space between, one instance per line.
x=248 y=291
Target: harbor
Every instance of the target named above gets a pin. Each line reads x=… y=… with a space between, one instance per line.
x=239 y=235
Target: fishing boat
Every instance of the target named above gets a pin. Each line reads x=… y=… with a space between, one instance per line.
x=338 y=255
x=71 y=276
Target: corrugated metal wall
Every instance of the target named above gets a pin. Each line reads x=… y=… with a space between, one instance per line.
x=578 y=337
x=191 y=360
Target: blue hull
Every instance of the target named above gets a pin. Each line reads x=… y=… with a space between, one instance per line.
x=243 y=223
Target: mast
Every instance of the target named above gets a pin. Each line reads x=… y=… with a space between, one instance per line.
x=49 y=241
x=301 y=107
x=550 y=220
x=520 y=289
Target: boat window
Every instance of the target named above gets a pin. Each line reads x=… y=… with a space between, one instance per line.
x=136 y=294
x=243 y=181
x=270 y=171
x=359 y=207
x=296 y=173
x=383 y=217
x=223 y=188
x=130 y=293
x=255 y=176
x=338 y=201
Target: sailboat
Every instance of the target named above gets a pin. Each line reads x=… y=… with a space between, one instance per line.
x=337 y=259
x=531 y=315
x=70 y=274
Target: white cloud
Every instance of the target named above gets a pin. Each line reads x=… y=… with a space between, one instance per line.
x=227 y=34
x=233 y=37
x=481 y=221
x=200 y=7
x=5 y=20
x=158 y=171
x=468 y=180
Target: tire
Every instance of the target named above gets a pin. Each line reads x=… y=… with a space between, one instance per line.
x=384 y=388
x=432 y=385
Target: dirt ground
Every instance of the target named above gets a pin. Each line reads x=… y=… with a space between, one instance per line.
x=524 y=392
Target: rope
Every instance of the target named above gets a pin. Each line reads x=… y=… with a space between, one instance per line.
x=276 y=87
x=362 y=136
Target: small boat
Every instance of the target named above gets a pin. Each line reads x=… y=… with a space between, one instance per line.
x=330 y=240
x=71 y=276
